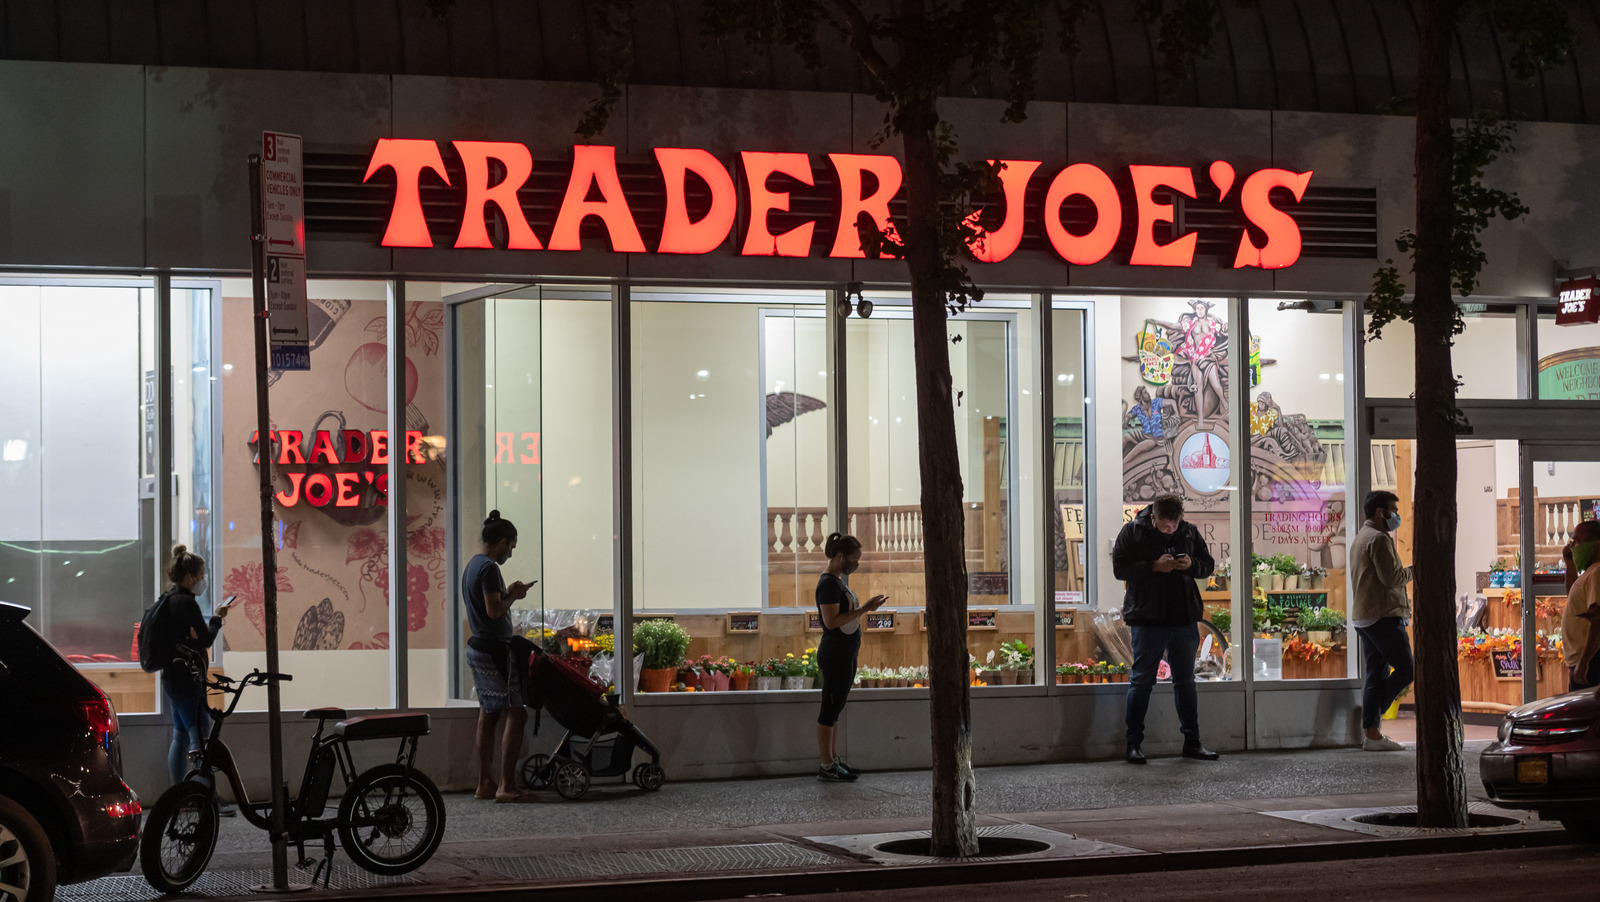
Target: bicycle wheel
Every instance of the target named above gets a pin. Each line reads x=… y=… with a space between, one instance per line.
x=1211 y=658
x=179 y=836
x=391 y=820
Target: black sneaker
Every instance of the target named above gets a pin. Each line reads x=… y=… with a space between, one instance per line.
x=830 y=773
x=845 y=768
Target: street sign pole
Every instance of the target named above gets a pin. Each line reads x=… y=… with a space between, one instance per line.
x=269 y=550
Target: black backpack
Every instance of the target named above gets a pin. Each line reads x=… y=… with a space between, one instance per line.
x=155 y=646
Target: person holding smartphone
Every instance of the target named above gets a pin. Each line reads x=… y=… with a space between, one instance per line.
x=840 y=613
x=1159 y=556
x=189 y=635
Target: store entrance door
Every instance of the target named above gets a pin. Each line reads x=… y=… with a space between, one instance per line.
x=1563 y=483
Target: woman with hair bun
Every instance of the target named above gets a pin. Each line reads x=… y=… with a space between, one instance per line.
x=840 y=614
x=191 y=635
x=489 y=602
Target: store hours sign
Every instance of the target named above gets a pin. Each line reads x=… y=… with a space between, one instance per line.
x=493 y=172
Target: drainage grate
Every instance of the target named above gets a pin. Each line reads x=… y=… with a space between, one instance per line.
x=708 y=859
x=1059 y=845
x=221 y=883
x=1352 y=819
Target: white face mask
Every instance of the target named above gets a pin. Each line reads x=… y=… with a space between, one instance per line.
x=200 y=587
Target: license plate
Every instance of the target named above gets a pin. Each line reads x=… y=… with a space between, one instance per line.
x=1534 y=771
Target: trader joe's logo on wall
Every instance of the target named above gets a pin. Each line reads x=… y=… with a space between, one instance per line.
x=708 y=200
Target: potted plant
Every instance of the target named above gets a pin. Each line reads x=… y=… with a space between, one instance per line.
x=740 y=676
x=1262 y=571
x=1223 y=621
x=769 y=675
x=1497 y=573
x=1320 y=624
x=1219 y=578
x=1018 y=661
x=1319 y=578
x=810 y=669
x=989 y=673
x=663 y=644
x=1513 y=575
x=1117 y=672
x=1286 y=572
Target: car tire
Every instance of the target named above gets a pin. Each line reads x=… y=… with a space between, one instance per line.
x=27 y=863
x=1583 y=829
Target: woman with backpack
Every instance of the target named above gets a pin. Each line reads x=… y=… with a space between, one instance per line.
x=187 y=637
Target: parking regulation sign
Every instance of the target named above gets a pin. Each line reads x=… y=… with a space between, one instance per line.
x=283 y=211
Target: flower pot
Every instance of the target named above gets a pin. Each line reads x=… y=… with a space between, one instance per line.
x=654 y=679
x=808 y=682
x=1061 y=679
x=1318 y=581
x=1008 y=677
x=689 y=679
x=739 y=682
x=768 y=683
x=719 y=682
x=1222 y=583
x=794 y=682
x=1320 y=637
x=1275 y=582
x=1291 y=581
x=1025 y=677
x=1513 y=579
x=1497 y=579
x=989 y=677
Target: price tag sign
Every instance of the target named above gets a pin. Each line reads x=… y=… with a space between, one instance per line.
x=1578 y=302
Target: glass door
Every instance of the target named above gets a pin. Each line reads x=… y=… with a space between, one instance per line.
x=1564 y=481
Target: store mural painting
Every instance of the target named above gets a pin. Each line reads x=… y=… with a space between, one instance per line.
x=1175 y=440
x=331 y=484
x=1570 y=375
x=595 y=189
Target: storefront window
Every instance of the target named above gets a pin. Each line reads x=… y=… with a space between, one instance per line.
x=730 y=473
x=1485 y=355
x=1167 y=361
x=1299 y=502
x=535 y=432
x=1569 y=359
x=885 y=490
x=1075 y=636
x=330 y=448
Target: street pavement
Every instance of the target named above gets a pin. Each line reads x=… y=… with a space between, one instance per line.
x=698 y=840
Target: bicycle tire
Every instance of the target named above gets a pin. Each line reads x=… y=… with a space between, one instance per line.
x=179 y=837
x=391 y=820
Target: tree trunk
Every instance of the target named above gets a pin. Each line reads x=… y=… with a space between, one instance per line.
x=1441 y=783
x=943 y=548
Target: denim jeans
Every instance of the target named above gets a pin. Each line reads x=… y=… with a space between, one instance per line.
x=191 y=724
x=1179 y=644
x=1386 y=652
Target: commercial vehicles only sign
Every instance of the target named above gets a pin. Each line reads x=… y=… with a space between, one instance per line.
x=283 y=209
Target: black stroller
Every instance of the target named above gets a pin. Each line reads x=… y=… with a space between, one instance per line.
x=599 y=741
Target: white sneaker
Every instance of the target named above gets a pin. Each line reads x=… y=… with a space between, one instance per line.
x=1381 y=744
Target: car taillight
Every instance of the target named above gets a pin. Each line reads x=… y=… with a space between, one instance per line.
x=124 y=809
x=101 y=719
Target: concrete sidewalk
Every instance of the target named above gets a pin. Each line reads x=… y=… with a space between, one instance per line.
x=733 y=838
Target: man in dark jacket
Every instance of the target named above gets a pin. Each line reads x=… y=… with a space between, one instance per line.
x=1159 y=557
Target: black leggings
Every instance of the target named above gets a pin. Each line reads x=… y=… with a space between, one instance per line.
x=838 y=666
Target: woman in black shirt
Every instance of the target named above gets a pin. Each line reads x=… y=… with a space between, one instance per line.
x=840 y=613
x=182 y=681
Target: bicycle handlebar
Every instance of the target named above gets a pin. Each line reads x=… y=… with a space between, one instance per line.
x=253 y=678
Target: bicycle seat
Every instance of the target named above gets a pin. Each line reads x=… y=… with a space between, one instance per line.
x=326 y=714
x=382 y=726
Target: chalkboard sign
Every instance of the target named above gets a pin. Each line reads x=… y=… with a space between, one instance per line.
x=1064 y=619
x=992 y=582
x=982 y=620
x=1300 y=599
x=605 y=623
x=1507 y=664
x=878 y=622
x=813 y=622
x=744 y=622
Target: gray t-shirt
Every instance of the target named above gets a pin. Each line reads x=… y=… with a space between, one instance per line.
x=483 y=575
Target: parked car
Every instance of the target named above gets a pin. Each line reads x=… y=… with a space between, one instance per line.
x=1547 y=759
x=65 y=813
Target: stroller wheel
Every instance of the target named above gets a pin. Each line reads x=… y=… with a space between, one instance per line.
x=649 y=777
x=535 y=773
x=571 y=780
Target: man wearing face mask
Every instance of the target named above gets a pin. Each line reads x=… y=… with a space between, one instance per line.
x=1380 y=614
x=1580 y=640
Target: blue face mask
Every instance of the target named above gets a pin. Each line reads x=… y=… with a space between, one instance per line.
x=1394 y=522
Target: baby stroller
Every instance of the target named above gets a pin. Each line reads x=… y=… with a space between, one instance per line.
x=599 y=741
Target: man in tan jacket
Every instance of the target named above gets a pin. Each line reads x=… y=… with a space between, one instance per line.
x=1380 y=614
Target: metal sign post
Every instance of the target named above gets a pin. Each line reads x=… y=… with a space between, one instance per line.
x=269 y=550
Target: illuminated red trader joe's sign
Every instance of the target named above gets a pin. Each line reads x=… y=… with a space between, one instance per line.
x=867 y=184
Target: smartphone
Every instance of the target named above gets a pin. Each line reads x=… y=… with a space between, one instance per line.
x=227 y=601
